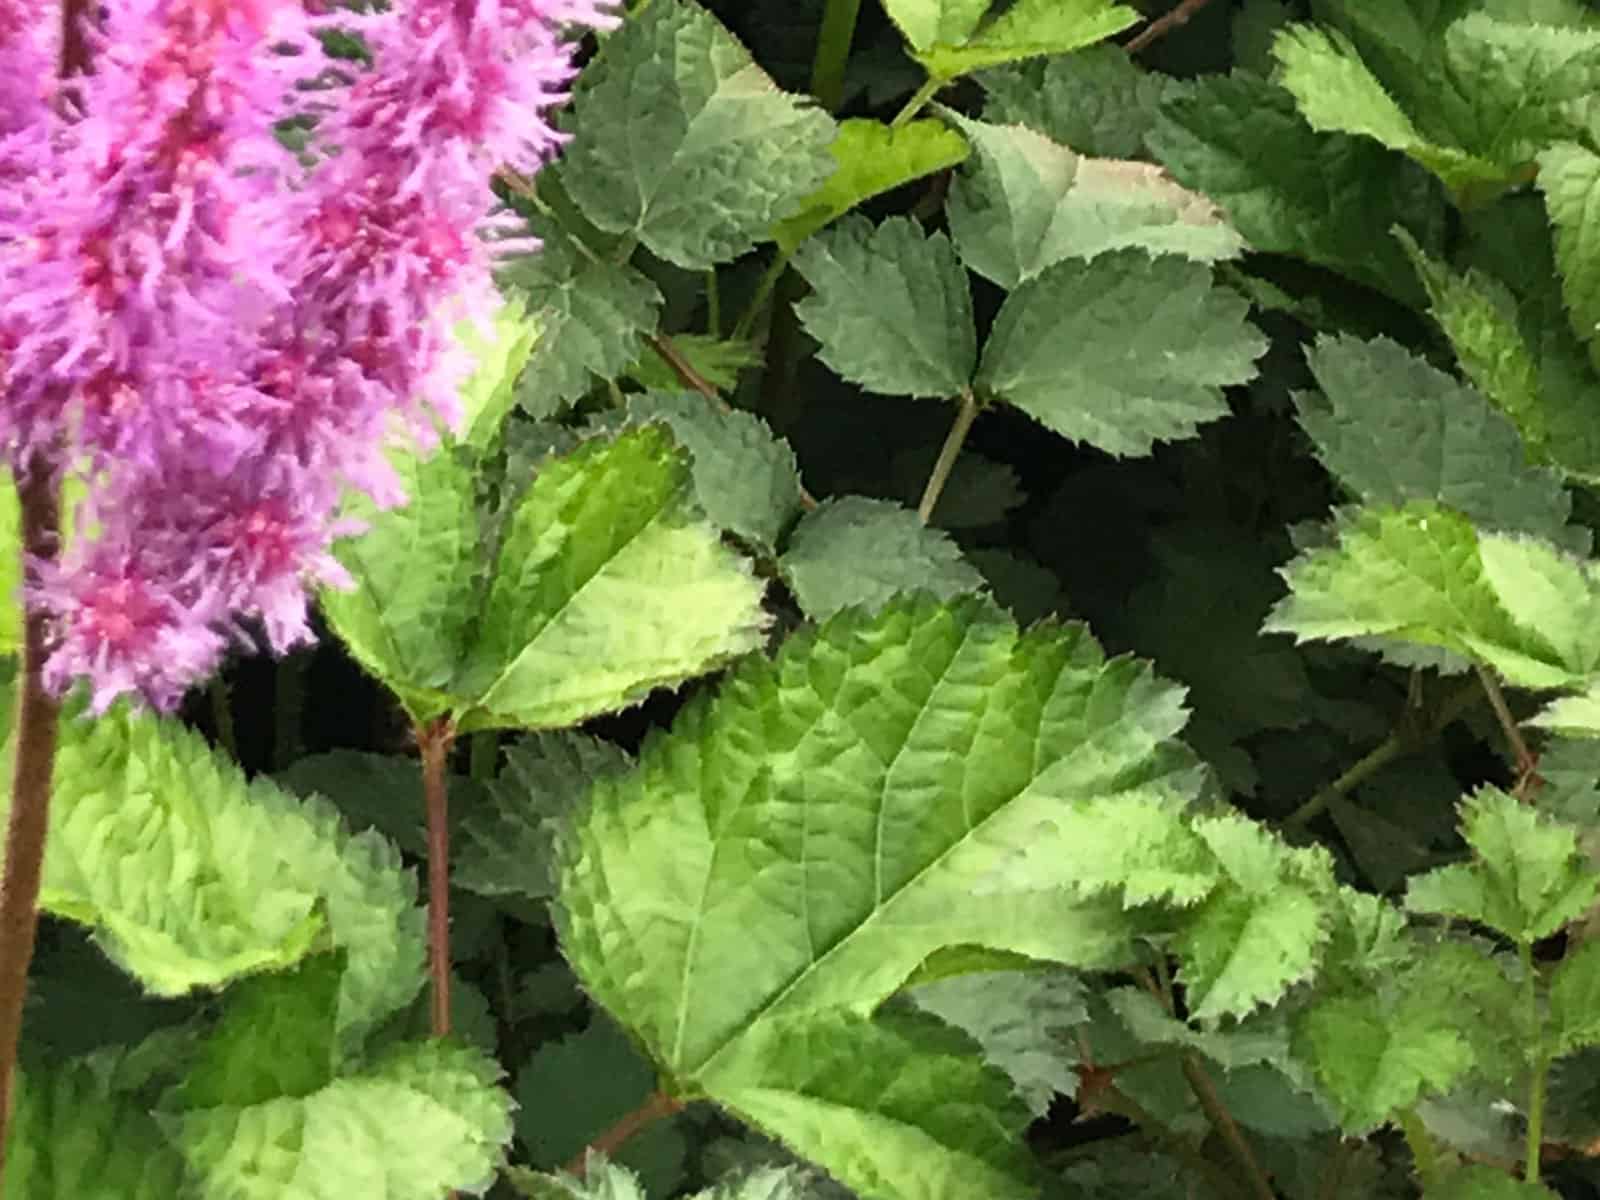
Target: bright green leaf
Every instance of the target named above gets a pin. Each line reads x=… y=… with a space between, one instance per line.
x=891 y=306
x=417 y=578
x=1569 y=176
x=871 y=158
x=423 y=1119
x=191 y=876
x=890 y=786
x=500 y=353
x=1026 y=203
x=745 y=477
x=926 y=23
x=1122 y=351
x=682 y=140
x=72 y=1137
x=1393 y=430
x=1543 y=589
x=1415 y=574
x=1574 y=716
x=609 y=584
x=856 y=551
x=1028 y=29
x=1527 y=877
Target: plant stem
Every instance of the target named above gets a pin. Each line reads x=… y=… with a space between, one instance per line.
x=434 y=740
x=656 y=1106
x=1541 y=1063
x=1222 y=1121
x=833 y=51
x=1401 y=742
x=1526 y=763
x=948 y=453
x=221 y=697
x=764 y=286
x=1179 y=14
x=1423 y=1152
x=33 y=764
x=919 y=101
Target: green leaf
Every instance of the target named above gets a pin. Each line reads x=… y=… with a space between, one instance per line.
x=1527 y=877
x=423 y=1119
x=592 y=315
x=891 y=307
x=275 y=1039
x=1338 y=93
x=191 y=876
x=1393 y=430
x=508 y=849
x=944 y=762
x=1575 y=1000
x=1416 y=574
x=871 y=158
x=897 y=1108
x=417 y=578
x=1479 y=316
x=1543 y=589
x=72 y=1137
x=1263 y=929
x=573 y=1088
x=1573 y=716
x=745 y=477
x=717 y=361
x=927 y=23
x=371 y=791
x=609 y=584
x=1027 y=29
x=1027 y=203
x=856 y=551
x=682 y=140
x=1022 y=1019
x=1485 y=1183
x=1569 y=176
x=1373 y=1058
x=1096 y=101
x=1250 y=1043
x=1122 y=351
x=1290 y=190
x=500 y=352
x=607 y=1181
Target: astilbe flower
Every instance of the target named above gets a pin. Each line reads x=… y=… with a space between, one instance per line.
x=222 y=341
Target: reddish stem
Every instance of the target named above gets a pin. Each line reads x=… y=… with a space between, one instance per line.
x=32 y=766
x=435 y=740
x=657 y=1106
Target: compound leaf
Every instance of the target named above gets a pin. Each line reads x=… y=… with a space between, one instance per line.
x=891 y=307
x=682 y=140
x=856 y=551
x=1122 y=351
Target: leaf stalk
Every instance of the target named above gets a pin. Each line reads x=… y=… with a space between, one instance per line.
x=434 y=739
x=948 y=453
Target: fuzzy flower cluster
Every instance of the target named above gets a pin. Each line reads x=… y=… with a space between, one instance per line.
x=217 y=338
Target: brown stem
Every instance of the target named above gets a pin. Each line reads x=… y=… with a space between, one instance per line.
x=33 y=763
x=656 y=1106
x=1222 y=1121
x=1179 y=14
x=1527 y=765
x=434 y=740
